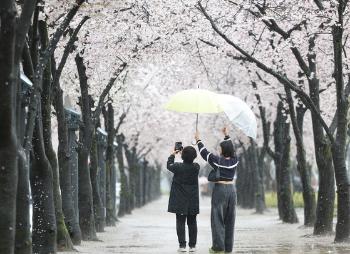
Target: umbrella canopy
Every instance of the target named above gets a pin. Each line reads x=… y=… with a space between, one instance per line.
x=194 y=101
x=204 y=101
x=239 y=113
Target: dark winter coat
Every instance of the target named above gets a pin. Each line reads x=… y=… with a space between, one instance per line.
x=184 y=193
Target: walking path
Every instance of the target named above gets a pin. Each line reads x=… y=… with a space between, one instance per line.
x=152 y=230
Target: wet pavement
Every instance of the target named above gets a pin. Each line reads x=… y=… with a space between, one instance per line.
x=152 y=230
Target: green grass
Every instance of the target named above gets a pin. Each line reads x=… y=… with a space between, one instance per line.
x=271 y=199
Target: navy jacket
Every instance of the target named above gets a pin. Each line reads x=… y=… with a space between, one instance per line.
x=184 y=193
x=223 y=169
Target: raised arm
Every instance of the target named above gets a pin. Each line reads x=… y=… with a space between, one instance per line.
x=206 y=155
x=171 y=165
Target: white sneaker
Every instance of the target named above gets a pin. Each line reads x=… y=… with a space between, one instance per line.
x=192 y=249
x=181 y=249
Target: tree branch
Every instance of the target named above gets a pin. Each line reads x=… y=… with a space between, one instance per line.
x=106 y=90
x=272 y=25
x=23 y=26
x=319 y=4
x=265 y=124
x=280 y=77
x=38 y=74
x=121 y=120
x=209 y=43
x=204 y=66
x=143 y=155
x=67 y=50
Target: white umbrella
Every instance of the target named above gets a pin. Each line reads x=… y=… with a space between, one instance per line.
x=239 y=113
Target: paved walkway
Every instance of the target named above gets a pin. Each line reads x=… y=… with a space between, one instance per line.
x=152 y=230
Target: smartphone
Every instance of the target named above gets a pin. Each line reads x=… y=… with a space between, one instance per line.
x=178 y=146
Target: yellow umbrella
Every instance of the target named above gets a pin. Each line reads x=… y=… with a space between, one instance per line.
x=194 y=101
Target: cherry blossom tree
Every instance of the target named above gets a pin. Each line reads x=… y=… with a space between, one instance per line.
x=306 y=24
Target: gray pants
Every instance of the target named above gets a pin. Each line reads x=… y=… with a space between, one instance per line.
x=223 y=214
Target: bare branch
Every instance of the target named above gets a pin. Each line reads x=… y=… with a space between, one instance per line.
x=265 y=124
x=258 y=41
x=121 y=120
x=333 y=126
x=280 y=77
x=126 y=8
x=209 y=43
x=106 y=90
x=23 y=26
x=204 y=66
x=38 y=74
x=319 y=4
x=67 y=50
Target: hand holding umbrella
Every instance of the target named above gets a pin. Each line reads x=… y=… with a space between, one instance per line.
x=196 y=136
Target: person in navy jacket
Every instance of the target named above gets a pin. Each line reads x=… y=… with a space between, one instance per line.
x=223 y=202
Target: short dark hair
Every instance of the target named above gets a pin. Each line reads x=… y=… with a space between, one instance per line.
x=188 y=154
x=227 y=148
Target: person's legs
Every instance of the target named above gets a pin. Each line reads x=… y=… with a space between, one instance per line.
x=229 y=221
x=180 y=230
x=192 y=230
x=217 y=218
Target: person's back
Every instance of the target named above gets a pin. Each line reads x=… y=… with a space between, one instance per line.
x=223 y=203
x=184 y=195
x=186 y=173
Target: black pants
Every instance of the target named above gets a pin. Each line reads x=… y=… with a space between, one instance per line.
x=223 y=214
x=181 y=231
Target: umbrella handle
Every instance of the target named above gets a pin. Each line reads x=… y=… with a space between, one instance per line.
x=195 y=143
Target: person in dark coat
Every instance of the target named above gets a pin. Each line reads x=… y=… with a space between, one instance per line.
x=223 y=200
x=184 y=196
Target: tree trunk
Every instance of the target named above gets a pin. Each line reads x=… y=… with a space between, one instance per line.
x=240 y=171
x=65 y=178
x=145 y=182
x=245 y=179
x=303 y=169
x=114 y=181
x=23 y=220
x=86 y=214
x=142 y=183
x=123 y=205
x=44 y=219
x=258 y=180
x=282 y=161
x=130 y=156
x=159 y=172
x=70 y=207
x=63 y=239
x=137 y=185
x=86 y=211
x=262 y=171
x=110 y=174
x=326 y=193
x=73 y=126
x=94 y=170
x=8 y=144
x=101 y=160
x=305 y=175
x=338 y=148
